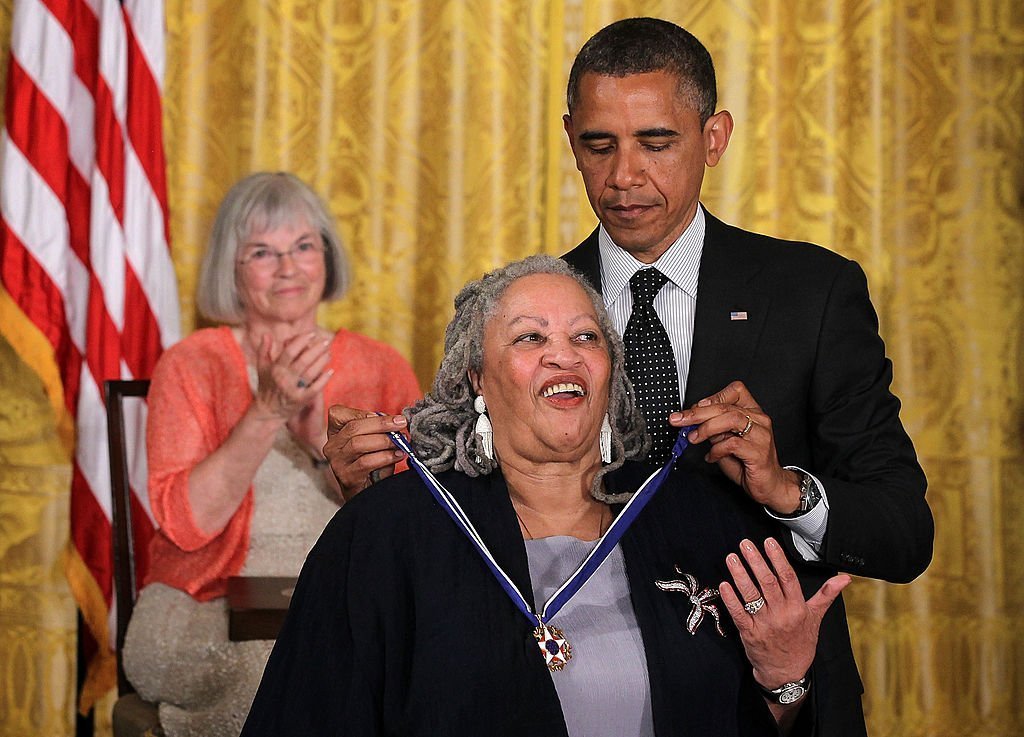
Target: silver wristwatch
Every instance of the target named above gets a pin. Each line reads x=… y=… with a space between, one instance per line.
x=809 y=494
x=788 y=693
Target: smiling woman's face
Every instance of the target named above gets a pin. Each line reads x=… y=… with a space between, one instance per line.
x=288 y=284
x=545 y=372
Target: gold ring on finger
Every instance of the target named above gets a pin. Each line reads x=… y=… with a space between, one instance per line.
x=745 y=430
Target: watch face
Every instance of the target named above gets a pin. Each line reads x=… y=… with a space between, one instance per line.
x=792 y=695
x=809 y=494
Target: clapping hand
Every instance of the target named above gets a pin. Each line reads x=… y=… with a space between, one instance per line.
x=292 y=377
x=291 y=374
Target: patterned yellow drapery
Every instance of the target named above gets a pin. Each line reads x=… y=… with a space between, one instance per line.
x=892 y=132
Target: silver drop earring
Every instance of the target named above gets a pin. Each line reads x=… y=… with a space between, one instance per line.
x=606 y=440
x=483 y=427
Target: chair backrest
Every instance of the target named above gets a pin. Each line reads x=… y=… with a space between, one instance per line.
x=121 y=510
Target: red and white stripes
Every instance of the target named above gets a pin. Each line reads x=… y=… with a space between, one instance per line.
x=84 y=238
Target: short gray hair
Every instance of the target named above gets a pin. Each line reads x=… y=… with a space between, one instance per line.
x=259 y=202
x=442 y=423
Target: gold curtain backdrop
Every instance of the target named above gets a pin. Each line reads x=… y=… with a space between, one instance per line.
x=892 y=132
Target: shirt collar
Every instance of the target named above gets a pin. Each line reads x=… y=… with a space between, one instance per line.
x=680 y=262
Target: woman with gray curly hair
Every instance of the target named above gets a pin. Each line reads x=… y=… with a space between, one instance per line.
x=408 y=617
x=443 y=423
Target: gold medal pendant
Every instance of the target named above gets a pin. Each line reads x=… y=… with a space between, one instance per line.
x=552 y=643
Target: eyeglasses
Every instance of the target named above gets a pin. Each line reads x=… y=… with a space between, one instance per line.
x=264 y=258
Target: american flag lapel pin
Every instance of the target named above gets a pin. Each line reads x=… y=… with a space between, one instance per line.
x=737 y=315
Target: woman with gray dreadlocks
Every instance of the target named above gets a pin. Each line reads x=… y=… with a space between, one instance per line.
x=527 y=578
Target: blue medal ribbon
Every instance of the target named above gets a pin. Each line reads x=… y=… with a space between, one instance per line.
x=590 y=564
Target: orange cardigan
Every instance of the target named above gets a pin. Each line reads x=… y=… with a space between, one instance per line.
x=199 y=391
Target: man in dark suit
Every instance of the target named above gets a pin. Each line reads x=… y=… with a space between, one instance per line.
x=775 y=344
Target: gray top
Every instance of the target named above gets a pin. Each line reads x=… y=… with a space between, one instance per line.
x=603 y=689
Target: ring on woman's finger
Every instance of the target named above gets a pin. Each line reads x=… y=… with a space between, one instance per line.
x=745 y=430
x=753 y=607
x=301 y=383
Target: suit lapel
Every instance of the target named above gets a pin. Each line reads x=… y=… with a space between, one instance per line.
x=586 y=259
x=724 y=338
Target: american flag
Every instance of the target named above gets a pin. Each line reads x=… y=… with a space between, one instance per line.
x=84 y=250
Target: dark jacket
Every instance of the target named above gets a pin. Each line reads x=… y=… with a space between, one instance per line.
x=398 y=628
x=810 y=353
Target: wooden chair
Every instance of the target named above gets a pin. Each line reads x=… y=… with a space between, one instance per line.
x=132 y=716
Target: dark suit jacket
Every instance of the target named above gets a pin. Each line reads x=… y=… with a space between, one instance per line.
x=397 y=627
x=810 y=353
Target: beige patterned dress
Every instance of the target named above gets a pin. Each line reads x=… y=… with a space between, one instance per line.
x=177 y=653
